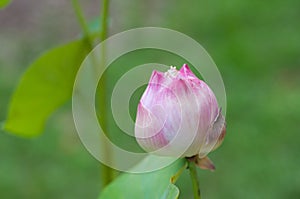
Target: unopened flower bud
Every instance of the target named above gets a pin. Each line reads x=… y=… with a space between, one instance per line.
x=178 y=115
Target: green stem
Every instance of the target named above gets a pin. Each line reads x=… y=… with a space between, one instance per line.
x=82 y=23
x=107 y=172
x=104 y=16
x=194 y=178
x=175 y=177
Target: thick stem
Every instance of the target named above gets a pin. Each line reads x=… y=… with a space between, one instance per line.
x=104 y=22
x=107 y=172
x=194 y=178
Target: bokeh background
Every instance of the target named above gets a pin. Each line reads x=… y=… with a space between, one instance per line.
x=256 y=46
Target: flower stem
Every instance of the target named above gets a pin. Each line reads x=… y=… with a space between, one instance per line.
x=104 y=16
x=107 y=172
x=194 y=178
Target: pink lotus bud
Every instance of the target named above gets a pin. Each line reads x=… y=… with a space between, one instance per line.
x=178 y=115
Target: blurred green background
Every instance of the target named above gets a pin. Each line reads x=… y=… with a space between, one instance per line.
x=256 y=46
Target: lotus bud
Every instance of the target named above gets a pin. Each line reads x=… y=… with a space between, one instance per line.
x=178 y=115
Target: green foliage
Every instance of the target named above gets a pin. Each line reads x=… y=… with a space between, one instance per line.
x=4 y=3
x=45 y=86
x=146 y=185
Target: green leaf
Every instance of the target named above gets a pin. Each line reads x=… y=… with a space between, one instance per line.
x=4 y=3
x=151 y=185
x=46 y=85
